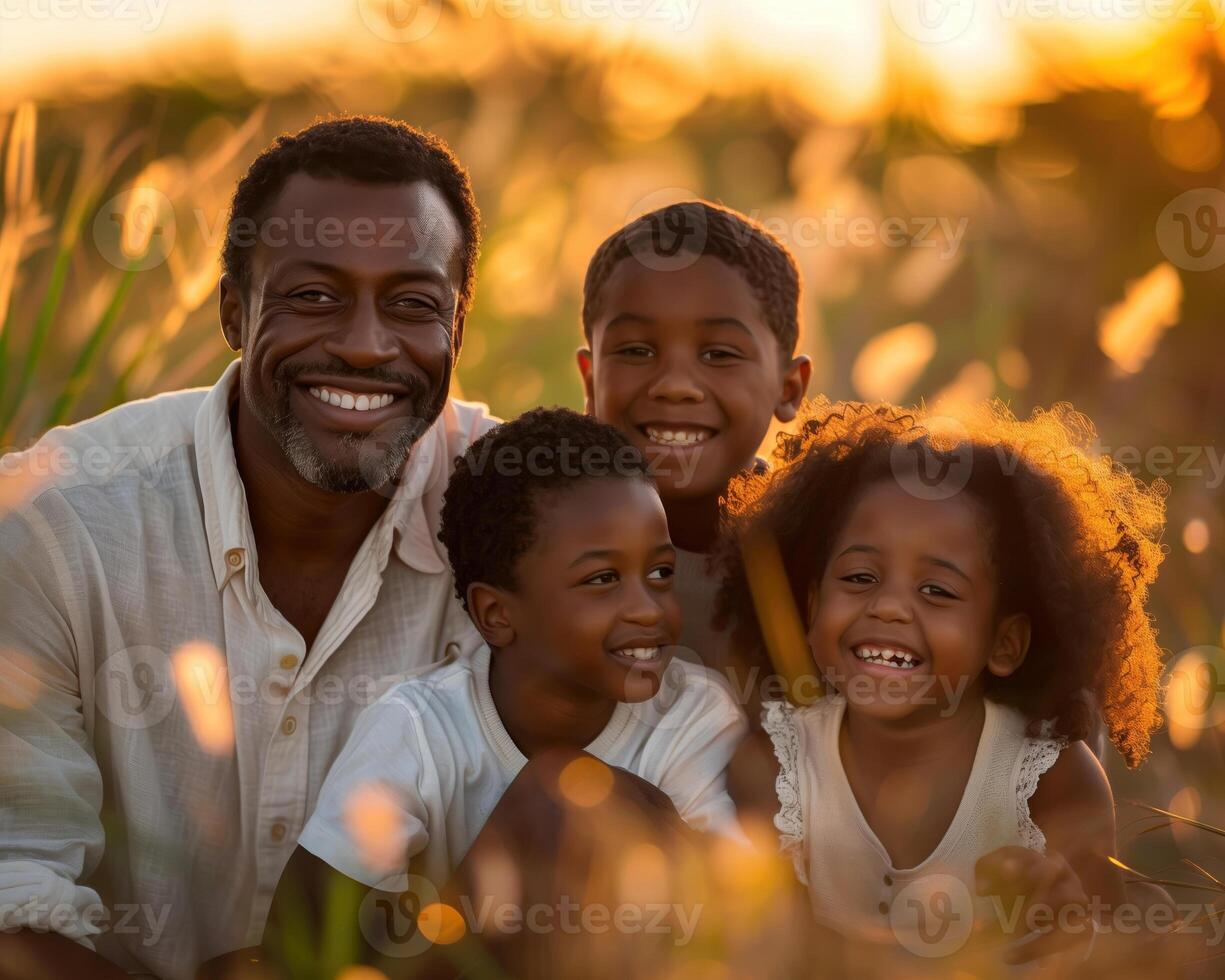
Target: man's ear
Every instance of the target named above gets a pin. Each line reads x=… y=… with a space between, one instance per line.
x=489 y=608
x=586 y=369
x=458 y=343
x=230 y=309
x=796 y=376
x=1010 y=646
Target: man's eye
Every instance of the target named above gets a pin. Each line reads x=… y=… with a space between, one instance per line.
x=937 y=590
x=602 y=578
x=415 y=304
x=636 y=350
x=314 y=296
x=662 y=573
x=859 y=578
x=719 y=354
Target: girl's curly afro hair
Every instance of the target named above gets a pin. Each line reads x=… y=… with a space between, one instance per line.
x=1075 y=543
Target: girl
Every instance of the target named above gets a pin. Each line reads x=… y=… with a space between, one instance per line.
x=970 y=588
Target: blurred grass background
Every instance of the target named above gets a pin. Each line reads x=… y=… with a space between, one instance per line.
x=1022 y=204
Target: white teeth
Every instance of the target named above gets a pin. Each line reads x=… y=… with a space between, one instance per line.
x=355 y=403
x=640 y=653
x=677 y=437
x=887 y=656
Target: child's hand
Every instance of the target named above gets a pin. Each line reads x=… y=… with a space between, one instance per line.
x=1043 y=908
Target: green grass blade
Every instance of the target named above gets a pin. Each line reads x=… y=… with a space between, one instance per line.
x=340 y=942
x=42 y=327
x=75 y=385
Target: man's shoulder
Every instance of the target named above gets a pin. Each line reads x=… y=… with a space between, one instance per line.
x=464 y=422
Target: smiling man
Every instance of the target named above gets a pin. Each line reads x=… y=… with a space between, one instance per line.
x=195 y=625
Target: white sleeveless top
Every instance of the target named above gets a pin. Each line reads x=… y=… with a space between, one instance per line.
x=851 y=881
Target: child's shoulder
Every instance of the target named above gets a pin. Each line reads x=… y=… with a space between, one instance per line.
x=687 y=685
x=446 y=687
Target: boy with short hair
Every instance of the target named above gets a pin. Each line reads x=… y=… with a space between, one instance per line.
x=691 y=316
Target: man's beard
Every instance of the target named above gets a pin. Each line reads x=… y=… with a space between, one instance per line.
x=379 y=455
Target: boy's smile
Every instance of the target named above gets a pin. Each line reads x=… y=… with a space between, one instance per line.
x=684 y=363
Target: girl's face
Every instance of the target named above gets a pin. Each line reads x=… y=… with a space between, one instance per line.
x=903 y=619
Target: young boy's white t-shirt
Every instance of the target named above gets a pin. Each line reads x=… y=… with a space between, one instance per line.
x=427 y=763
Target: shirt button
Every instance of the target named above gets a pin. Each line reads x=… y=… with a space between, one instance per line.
x=289 y=662
x=289 y=725
x=234 y=557
x=278 y=689
x=888 y=880
x=278 y=832
x=883 y=907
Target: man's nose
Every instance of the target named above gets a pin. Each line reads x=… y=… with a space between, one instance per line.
x=362 y=339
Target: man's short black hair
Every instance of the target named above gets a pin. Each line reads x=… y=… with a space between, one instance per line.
x=701 y=228
x=364 y=149
x=491 y=507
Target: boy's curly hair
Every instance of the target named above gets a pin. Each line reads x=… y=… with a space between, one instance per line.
x=491 y=507
x=1075 y=543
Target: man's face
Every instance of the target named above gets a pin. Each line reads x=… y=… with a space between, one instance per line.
x=685 y=365
x=349 y=327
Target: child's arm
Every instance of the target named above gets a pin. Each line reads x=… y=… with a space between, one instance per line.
x=752 y=778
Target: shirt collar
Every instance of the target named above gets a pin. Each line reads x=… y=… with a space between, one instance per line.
x=407 y=526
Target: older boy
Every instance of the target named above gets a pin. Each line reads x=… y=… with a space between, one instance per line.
x=691 y=315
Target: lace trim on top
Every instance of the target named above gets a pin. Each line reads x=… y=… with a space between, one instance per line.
x=779 y=723
x=1038 y=756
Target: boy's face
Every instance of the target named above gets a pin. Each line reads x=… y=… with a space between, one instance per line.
x=593 y=603
x=684 y=363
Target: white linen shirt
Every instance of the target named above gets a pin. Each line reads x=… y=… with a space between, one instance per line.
x=141 y=811
x=429 y=762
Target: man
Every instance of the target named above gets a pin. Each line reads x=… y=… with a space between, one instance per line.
x=210 y=587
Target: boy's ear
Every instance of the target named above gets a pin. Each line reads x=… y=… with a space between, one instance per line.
x=1010 y=646
x=230 y=310
x=796 y=376
x=585 y=364
x=489 y=608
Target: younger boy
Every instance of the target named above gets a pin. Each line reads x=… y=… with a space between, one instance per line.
x=560 y=550
x=691 y=315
